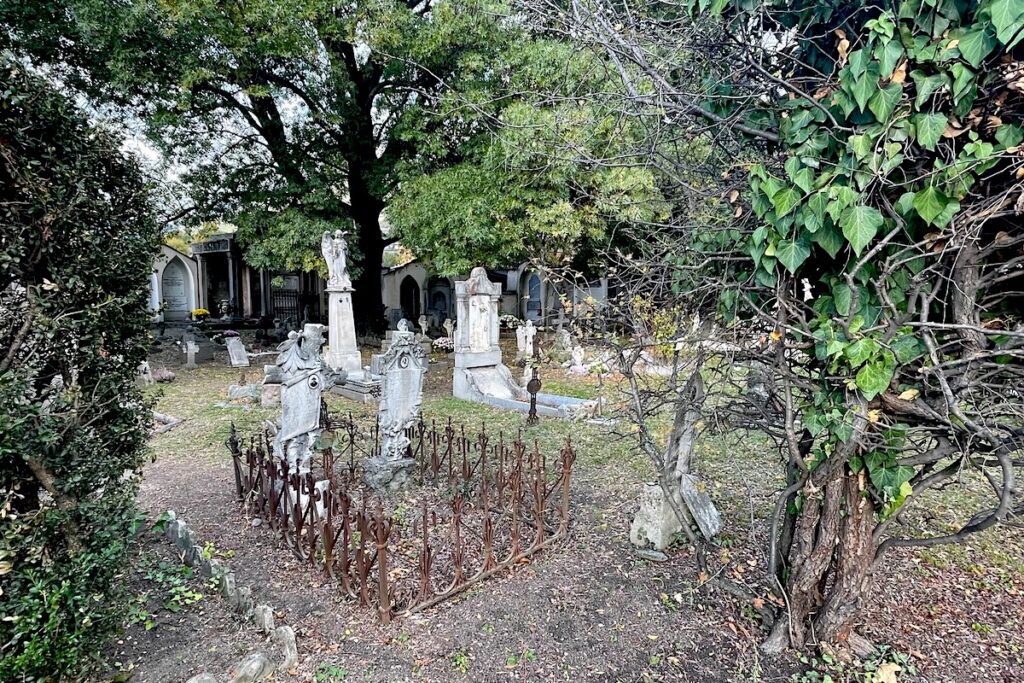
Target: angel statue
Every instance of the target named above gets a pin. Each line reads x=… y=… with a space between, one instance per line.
x=335 y=250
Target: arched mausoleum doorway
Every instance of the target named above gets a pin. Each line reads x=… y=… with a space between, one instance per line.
x=177 y=289
x=409 y=298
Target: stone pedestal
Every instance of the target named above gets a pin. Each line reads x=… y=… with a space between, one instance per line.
x=343 y=351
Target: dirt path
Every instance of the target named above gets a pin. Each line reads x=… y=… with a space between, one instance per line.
x=589 y=610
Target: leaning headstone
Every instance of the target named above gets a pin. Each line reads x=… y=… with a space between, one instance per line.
x=401 y=369
x=700 y=506
x=304 y=378
x=237 y=354
x=656 y=521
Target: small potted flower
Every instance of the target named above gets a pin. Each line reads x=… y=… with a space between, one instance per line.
x=200 y=314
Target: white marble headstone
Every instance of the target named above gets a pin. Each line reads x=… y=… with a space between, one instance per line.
x=236 y=353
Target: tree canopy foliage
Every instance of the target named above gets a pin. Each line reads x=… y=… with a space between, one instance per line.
x=287 y=118
x=77 y=241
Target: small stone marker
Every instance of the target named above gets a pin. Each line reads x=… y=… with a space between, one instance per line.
x=236 y=352
x=191 y=348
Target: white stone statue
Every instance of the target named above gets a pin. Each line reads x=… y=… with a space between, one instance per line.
x=424 y=324
x=335 y=251
x=449 y=327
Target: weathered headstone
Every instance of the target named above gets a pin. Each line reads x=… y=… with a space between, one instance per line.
x=563 y=339
x=521 y=350
x=304 y=378
x=237 y=354
x=401 y=369
x=191 y=348
x=656 y=521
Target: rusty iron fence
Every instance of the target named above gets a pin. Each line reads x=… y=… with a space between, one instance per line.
x=483 y=504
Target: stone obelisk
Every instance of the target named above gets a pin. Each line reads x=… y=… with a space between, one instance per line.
x=343 y=352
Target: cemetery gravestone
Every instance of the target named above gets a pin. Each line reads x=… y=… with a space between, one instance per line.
x=401 y=369
x=191 y=348
x=237 y=354
x=304 y=378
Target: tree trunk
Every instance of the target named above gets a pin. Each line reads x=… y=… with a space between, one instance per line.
x=829 y=564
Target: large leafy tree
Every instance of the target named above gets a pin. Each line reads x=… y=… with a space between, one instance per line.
x=287 y=117
x=869 y=259
x=515 y=172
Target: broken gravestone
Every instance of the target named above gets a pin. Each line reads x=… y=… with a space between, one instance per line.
x=656 y=522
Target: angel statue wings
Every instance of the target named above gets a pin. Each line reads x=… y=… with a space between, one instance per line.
x=335 y=250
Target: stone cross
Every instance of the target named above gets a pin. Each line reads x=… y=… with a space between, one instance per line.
x=402 y=369
x=304 y=377
x=190 y=355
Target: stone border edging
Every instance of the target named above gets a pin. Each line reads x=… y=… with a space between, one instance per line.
x=256 y=666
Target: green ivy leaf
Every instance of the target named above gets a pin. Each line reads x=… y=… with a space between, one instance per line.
x=873 y=379
x=889 y=56
x=975 y=45
x=785 y=200
x=864 y=87
x=883 y=102
x=860 y=351
x=843 y=296
x=930 y=204
x=829 y=239
x=1008 y=18
x=929 y=129
x=906 y=349
x=791 y=253
x=860 y=224
x=926 y=86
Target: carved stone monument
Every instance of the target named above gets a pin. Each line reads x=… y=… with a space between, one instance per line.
x=401 y=369
x=304 y=377
x=479 y=373
x=343 y=350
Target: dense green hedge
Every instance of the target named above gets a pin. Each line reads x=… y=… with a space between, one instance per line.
x=77 y=239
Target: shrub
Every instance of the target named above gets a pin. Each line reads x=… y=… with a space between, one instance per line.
x=76 y=251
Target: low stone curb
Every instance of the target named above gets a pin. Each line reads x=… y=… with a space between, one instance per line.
x=256 y=666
